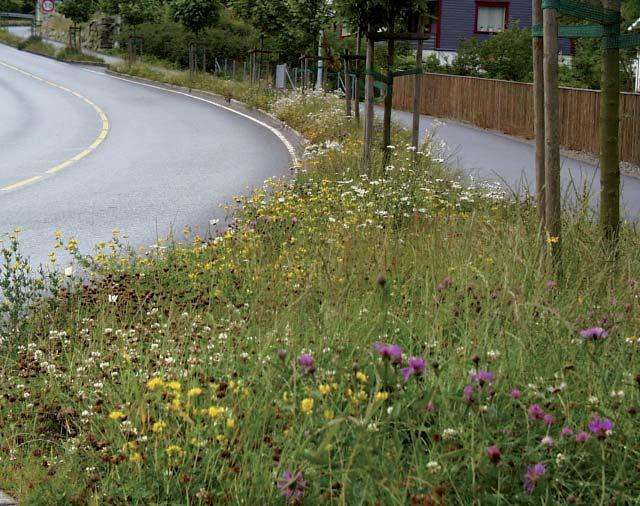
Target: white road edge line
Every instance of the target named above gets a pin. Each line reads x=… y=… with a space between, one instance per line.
x=275 y=131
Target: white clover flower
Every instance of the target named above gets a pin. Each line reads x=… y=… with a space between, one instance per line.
x=433 y=467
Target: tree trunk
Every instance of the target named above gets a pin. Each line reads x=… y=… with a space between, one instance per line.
x=609 y=136
x=368 y=121
x=357 y=82
x=552 y=132
x=538 y=106
x=388 y=102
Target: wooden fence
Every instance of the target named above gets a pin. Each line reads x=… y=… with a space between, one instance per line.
x=508 y=107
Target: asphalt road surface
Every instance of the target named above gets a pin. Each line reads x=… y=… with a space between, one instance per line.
x=491 y=156
x=84 y=153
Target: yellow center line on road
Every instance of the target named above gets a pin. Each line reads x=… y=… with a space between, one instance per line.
x=85 y=152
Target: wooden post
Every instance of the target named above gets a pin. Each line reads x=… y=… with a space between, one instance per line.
x=388 y=101
x=538 y=108
x=417 y=94
x=609 y=134
x=347 y=84
x=356 y=80
x=552 y=132
x=369 y=96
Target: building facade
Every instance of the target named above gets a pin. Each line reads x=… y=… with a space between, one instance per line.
x=454 y=20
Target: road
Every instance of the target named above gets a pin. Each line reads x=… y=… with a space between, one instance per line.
x=491 y=156
x=165 y=160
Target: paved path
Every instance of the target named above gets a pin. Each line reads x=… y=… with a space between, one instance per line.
x=5 y=500
x=167 y=160
x=490 y=156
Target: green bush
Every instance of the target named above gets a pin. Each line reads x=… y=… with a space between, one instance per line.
x=168 y=40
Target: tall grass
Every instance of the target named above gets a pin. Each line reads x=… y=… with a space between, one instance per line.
x=243 y=368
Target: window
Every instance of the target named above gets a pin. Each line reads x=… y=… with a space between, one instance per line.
x=491 y=17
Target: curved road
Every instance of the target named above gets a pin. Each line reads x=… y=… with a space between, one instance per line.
x=167 y=160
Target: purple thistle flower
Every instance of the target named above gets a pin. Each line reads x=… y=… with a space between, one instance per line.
x=594 y=333
x=536 y=412
x=548 y=419
x=532 y=476
x=307 y=362
x=482 y=377
x=494 y=454
x=416 y=366
x=292 y=485
x=446 y=283
x=566 y=431
x=601 y=427
x=515 y=393
x=468 y=393
x=581 y=437
x=391 y=352
x=551 y=285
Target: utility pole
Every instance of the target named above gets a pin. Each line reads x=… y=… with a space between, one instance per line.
x=357 y=84
x=538 y=107
x=610 y=130
x=347 y=83
x=320 y=63
x=37 y=19
x=552 y=132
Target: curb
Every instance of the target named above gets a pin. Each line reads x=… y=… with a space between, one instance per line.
x=297 y=139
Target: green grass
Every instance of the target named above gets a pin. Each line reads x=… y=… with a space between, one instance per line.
x=258 y=97
x=36 y=45
x=175 y=378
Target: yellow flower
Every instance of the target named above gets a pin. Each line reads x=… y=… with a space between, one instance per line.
x=328 y=414
x=174 y=385
x=194 y=392
x=136 y=457
x=362 y=377
x=175 y=450
x=117 y=415
x=158 y=426
x=221 y=438
x=231 y=423
x=154 y=383
x=552 y=239
x=324 y=389
x=307 y=406
x=215 y=411
x=382 y=396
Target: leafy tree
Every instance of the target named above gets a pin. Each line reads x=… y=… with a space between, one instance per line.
x=290 y=27
x=374 y=15
x=133 y=12
x=196 y=15
x=10 y=6
x=78 y=11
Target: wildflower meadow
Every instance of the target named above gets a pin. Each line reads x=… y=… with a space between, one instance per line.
x=388 y=337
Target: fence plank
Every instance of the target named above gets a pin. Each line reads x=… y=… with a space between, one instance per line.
x=507 y=106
